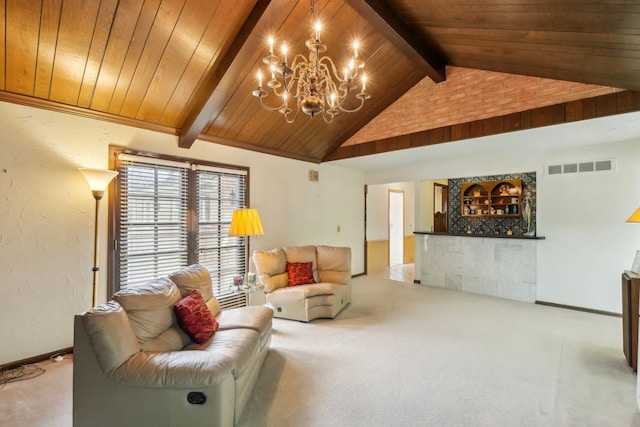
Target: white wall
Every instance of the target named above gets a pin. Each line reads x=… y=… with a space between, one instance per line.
x=588 y=243
x=378 y=209
x=46 y=232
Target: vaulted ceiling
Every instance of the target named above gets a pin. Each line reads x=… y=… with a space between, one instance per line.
x=188 y=67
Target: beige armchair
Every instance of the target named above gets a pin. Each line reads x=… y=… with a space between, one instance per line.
x=331 y=268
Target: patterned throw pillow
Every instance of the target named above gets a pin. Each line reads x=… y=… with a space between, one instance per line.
x=195 y=318
x=300 y=273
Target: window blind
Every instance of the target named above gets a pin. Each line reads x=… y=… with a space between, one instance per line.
x=172 y=214
x=219 y=194
x=153 y=221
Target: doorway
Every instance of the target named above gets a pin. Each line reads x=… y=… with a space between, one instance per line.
x=396 y=227
x=440 y=208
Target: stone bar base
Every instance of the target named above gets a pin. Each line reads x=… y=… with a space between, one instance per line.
x=504 y=268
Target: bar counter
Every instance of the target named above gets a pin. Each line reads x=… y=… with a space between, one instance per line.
x=495 y=236
x=498 y=265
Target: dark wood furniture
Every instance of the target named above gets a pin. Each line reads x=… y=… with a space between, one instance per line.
x=440 y=207
x=630 y=295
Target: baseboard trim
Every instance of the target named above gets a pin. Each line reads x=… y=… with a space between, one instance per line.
x=573 y=307
x=36 y=359
x=358 y=275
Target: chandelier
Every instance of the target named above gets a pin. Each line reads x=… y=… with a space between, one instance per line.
x=314 y=82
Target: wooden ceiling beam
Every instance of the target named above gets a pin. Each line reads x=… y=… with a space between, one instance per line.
x=381 y=16
x=197 y=120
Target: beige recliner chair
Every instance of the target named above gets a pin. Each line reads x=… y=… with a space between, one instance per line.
x=134 y=366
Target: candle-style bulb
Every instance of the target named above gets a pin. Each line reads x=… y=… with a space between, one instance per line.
x=259 y=79
x=364 y=82
x=318 y=27
x=271 y=41
x=355 y=49
x=284 y=52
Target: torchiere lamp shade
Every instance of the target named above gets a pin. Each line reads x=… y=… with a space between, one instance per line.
x=246 y=222
x=98 y=179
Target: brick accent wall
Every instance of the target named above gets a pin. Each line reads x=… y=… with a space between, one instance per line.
x=469 y=95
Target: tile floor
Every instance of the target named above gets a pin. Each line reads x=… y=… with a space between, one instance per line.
x=400 y=272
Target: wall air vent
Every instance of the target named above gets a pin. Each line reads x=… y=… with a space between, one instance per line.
x=595 y=166
x=554 y=170
x=586 y=167
x=604 y=165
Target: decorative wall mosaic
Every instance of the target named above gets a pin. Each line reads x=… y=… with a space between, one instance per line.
x=491 y=225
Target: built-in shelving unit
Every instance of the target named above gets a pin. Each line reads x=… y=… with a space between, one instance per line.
x=501 y=198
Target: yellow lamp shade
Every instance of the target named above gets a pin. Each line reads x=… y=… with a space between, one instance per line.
x=246 y=222
x=635 y=217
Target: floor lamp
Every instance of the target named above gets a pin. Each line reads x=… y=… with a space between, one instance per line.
x=245 y=223
x=98 y=180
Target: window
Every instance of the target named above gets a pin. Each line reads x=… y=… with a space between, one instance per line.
x=170 y=213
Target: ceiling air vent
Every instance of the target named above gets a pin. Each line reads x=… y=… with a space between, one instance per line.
x=595 y=166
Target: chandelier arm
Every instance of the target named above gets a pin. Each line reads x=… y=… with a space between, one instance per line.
x=342 y=98
x=329 y=88
x=295 y=76
x=285 y=86
x=286 y=117
x=324 y=117
x=299 y=59
x=346 y=110
x=266 y=107
x=331 y=68
x=275 y=92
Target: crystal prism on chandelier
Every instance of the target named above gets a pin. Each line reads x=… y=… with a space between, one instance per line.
x=314 y=82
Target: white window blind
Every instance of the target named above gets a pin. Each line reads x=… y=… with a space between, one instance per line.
x=219 y=194
x=173 y=214
x=153 y=221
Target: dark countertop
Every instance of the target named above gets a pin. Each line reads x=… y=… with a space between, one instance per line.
x=494 y=236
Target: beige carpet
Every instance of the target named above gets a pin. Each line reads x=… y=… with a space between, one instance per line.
x=409 y=355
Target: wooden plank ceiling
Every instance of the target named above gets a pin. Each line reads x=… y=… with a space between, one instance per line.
x=188 y=67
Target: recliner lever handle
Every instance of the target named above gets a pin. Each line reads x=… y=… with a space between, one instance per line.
x=196 y=397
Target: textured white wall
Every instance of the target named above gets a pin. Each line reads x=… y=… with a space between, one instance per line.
x=378 y=209
x=46 y=231
x=588 y=243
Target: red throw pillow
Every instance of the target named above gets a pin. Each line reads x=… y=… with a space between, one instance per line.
x=300 y=273
x=195 y=318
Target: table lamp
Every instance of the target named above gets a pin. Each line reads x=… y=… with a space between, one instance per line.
x=635 y=218
x=245 y=223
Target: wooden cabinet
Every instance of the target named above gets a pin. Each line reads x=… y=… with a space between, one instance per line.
x=630 y=295
x=501 y=198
